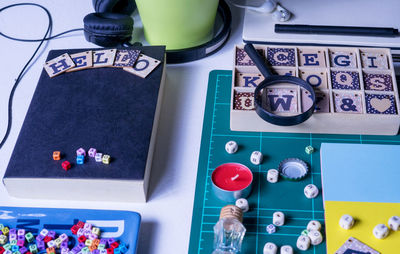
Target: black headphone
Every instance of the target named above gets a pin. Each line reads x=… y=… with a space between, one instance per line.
x=111 y=25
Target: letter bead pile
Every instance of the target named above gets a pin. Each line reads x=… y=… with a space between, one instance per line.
x=18 y=241
x=80 y=157
x=128 y=59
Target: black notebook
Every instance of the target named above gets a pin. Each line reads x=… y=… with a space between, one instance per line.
x=105 y=108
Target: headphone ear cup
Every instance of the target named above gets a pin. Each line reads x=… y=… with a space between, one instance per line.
x=116 y=6
x=108 y=29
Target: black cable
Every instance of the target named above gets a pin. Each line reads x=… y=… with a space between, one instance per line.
x=22 y=73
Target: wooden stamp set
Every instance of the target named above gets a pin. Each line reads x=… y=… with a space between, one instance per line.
x=356 y=90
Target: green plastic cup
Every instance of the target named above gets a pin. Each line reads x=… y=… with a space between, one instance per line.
x=178 y=24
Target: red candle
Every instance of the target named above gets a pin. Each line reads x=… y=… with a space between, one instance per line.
x=232 y=177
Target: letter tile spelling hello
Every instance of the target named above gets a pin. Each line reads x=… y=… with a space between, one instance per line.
x=143 y=66
x=243 y=59
x=378 y=82
x=321 y=101
x=126 y=58
x=380 y=104
x=248 y=79
x=281 y=100
x=103 y=58
x=82 y=60
x=281 y=57
x=59 y=65
x=312 y=58
x=343 y=59
x=348 y=103
x=348 y=80
x=374 y=61
x=243 y=101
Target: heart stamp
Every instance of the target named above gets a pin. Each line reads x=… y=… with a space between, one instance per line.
x=380 y=104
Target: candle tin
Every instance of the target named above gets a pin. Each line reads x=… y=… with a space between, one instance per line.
x=229 y=187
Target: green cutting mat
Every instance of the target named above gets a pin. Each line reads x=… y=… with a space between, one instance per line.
x=266 y=198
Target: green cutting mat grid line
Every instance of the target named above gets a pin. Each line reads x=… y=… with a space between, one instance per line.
x=266 y=198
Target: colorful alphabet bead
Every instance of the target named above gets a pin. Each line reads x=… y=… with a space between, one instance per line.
x=348 y=80
x=106 y=159
x=244 y=101
x=380 y=104
x=348 y=103
x=92 y=152
x=56 y=155
x=66 y=165
x=80 y=151
x=98 y=157
x=80 y=159
x=378 y=82
x=281 y=56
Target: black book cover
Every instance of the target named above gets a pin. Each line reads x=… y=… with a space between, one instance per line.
x=105 y=108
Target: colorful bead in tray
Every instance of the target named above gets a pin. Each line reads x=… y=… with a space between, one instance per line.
x=89 y=241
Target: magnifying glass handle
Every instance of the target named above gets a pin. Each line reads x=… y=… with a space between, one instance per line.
x=258 y=60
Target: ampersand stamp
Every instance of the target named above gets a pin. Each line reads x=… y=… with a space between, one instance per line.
x=348 y=103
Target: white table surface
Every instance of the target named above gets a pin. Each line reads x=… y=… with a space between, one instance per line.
x=167 y=216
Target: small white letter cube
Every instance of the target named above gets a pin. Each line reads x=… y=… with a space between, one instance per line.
x=231 y=147
x=380 y=231
x=315 y=237
x=394 y=223
x=303 y=242
x=346 y=221
x=286 y=249
x=311 y=191
x=314 y=225
x=243 y=204
x=270 y=229
x=272 y=175
x=278 y=218
x=270 y=248
x=256 y=157
x=98 y=157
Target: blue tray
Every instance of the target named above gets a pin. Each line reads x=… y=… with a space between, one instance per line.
x=121 y=225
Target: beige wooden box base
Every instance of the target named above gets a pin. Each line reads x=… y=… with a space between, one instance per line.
x=241 y=120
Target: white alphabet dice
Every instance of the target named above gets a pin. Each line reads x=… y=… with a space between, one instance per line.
x=311 y=191
x=315 y=237
x=3 y=239
x=346 y=221
x=303 y=242
x=98 y=157
x=394 y=223
x=272 y=175
x=286 y=249
x=243 y=204
x=256 y=157
x=278 y=218
x=314 y=225
x=380 y=231
x=231 y=147
x=270 y=248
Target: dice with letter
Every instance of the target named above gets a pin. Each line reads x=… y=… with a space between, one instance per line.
x=92 y=152
x=303 y=242
x=231 y=147
x=394 y=223
x=270 y=248
x=256 y=157
x=278 y=218
x=286 y=249
x=346 y=221
x=272 y=176
x=311 y=191
x=380 y=231
x=314 y=225
x=315 y=237
x=243 y=204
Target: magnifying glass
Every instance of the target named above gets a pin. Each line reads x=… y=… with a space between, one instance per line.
x=260 y=93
